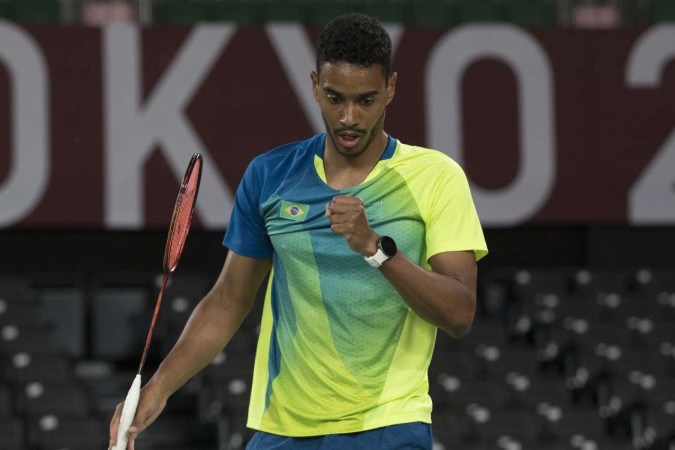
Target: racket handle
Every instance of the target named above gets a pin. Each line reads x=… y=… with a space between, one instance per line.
x=128 y=414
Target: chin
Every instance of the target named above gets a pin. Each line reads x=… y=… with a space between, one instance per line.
x=351 y=151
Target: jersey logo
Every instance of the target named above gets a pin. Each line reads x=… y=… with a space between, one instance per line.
x=293 y=211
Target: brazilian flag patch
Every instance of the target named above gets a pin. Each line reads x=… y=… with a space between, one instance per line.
x=293 y=211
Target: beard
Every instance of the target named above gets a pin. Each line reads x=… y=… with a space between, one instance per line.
x=366 y=136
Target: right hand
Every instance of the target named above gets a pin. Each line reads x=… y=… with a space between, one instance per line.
x=151 y=403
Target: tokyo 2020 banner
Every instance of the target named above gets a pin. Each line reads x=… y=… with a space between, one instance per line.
x=552 y=126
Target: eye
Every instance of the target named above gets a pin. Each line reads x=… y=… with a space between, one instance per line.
x=334 y=99
x=367 y=101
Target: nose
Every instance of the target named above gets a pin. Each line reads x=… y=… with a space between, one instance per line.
x=349 y=117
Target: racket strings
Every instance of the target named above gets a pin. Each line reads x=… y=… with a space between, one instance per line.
x=182 y=215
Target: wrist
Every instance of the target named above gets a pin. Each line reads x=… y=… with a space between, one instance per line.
x=157 y=384
x=386 y=249
x=372 y=246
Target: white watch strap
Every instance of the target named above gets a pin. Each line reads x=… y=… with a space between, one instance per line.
x=377 y=259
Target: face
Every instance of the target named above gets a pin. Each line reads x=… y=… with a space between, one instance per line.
x=353 y=100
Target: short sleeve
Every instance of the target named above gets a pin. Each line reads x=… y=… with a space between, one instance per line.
x=246 y=232
x=452 y=223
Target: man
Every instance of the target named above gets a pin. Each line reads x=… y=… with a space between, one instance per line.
x=371 y=245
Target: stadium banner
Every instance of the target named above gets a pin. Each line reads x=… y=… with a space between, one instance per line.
x=553 y=126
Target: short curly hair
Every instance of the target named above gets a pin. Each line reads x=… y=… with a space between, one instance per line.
x=357 y=39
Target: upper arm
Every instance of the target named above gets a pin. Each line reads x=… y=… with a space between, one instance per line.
x=460 y=266
x=241 y=277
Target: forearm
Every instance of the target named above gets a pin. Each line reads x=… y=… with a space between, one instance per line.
x=210 y=327
x=442 y=300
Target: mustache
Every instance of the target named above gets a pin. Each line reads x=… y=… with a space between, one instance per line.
x=352 y=131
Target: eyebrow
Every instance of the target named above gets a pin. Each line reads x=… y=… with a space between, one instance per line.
x=365 y=94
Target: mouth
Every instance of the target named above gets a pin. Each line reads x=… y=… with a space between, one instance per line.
x=348 y=140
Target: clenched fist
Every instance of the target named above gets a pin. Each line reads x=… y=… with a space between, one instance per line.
x=348 y=218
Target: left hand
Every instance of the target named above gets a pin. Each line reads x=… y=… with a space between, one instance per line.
x=348 y=218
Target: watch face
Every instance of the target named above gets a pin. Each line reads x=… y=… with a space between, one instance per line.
x=388 y=246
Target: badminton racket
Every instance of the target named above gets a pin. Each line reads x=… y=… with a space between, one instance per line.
x=178 y=231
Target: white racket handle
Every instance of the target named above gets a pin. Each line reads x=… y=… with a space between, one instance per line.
x=128 y=414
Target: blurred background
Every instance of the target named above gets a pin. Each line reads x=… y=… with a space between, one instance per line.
x=561 y=112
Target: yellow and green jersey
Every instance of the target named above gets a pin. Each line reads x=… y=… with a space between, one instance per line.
x=339 y=350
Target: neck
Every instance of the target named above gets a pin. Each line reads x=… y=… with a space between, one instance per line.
x=343 y=171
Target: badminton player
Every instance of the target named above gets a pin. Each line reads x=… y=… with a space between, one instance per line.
x=372 y=246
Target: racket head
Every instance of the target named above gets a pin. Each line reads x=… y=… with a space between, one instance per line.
x=182 y=213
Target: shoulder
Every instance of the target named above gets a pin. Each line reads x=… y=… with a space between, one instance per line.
x=283 y=155
x=416 y=160
x=269 y=170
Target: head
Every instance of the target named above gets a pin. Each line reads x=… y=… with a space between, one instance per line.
x=356 y=39
x=353 y=82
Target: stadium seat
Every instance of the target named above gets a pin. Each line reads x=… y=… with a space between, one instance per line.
x=6 y=403
x=528 y=394
x=106 y=389
x=615 y=361
x=625 y=412
x=661 y=396
x=225 y=394
x=588 y=283
x=64 y=309
x=52 y=432
x=514 y=359
x=455 y=363
x=488 y=394
x=579 y=426
x=231 y=434
x=36 y=400
x=482 y=333
x=120 y=318
x=528 y=283
x=442 y=388
x=603 y=333
x=661 y=426
x=614 y=308
x=662 y=307
x=31 y=339
x=12 y=433
x=497 y=429
x=663 y=351
x=19 y=310
x=446 y=430
x=652 y=281
x=495 y=294
x=23 y=368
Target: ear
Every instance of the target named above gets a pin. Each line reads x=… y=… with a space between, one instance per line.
x=391 y=87
x=315 y=84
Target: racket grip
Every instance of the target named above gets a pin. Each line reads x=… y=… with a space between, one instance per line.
x=128 y=414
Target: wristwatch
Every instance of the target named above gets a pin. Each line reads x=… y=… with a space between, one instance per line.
x=386 y=248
